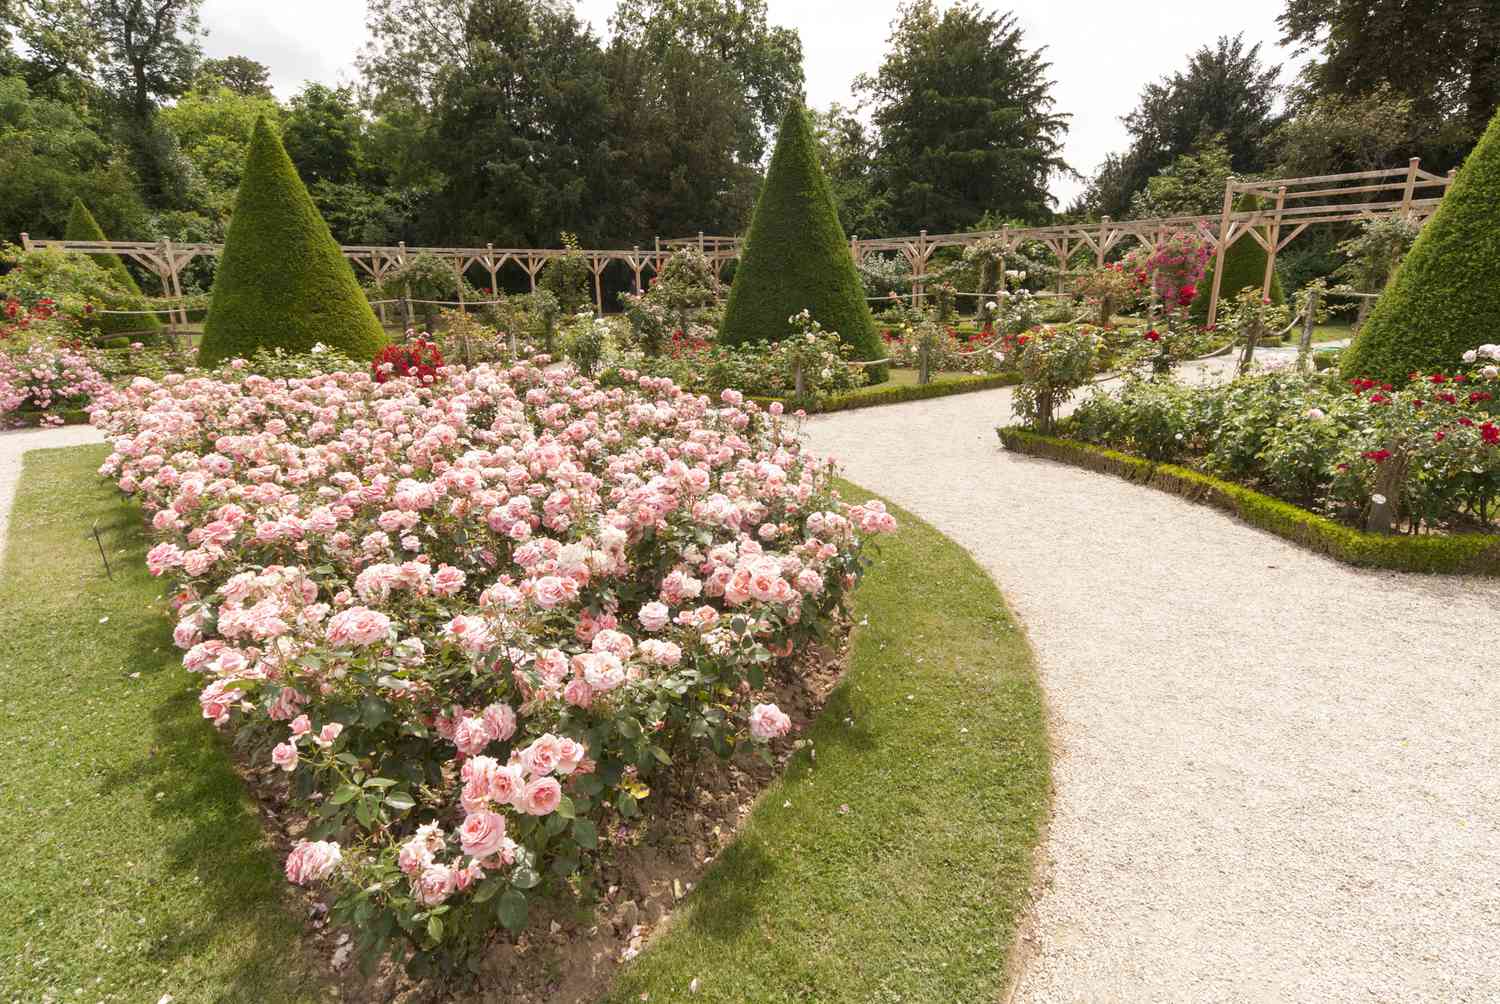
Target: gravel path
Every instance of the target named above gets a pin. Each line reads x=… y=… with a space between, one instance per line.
x=1276 y=776
x=13 y=446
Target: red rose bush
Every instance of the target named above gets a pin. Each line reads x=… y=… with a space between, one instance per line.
x=470 y=613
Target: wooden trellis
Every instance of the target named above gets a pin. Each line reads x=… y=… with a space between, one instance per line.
x=1289 y=206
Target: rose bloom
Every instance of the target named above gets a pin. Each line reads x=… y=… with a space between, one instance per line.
x=471 y=736
x=768 y=722
x=500 y=721
x=542 y=756
x=578 y=693
x=482 y=833
x=285 y=756
x=312 y=862
x=414 y=855
x=654 y=616
x=507 y=785
x=541 y=797
x=434 y=885
x=358 y=626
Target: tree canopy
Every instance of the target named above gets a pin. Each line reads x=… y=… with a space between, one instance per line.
x=966 y=119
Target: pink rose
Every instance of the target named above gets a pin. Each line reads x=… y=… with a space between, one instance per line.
x=435 y=884
x=654 y=616
x=358 y=626
x=285 y=756
x=542 y=756
x=577 y=693
x=507 y=785
x=541 y=797
x=328 y=733
x=482 y=833
x=312 y=862
x=768 y=722
x=471 y=736
x=500 y=721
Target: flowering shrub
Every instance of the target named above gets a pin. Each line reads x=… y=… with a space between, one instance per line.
x=471 y=617
x=1110 y=288
x=52 y=285
x=1370 y=454
x=416 y=358
x=1173 y=267
x=44 y=380
x=1053 y=362
x=677 y=300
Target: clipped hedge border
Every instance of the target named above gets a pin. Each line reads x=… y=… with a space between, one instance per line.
x=1477 y=554
x=896 y=393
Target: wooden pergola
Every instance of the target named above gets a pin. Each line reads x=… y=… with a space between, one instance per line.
x=1287 y=208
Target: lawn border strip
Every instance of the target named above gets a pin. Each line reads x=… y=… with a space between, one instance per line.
x=1472 y=554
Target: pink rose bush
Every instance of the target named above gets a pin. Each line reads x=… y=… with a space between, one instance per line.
x=45 y=379
x=470 y=618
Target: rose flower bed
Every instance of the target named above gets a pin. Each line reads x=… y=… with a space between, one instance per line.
x=471 y=617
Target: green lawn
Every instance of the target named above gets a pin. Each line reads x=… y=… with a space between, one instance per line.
x=135 y=865
x=894 y=865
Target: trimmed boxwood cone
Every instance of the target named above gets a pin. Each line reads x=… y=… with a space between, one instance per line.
x=797 y=257
x=1445 y=296
x=282 y=281
x=1244 y=265
x=83 y=227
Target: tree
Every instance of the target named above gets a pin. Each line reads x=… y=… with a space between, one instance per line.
x=1226 y=90
x=522 y=128
x=848 y=151
x=241 y=74
x=282 y=281
x=322 y=133
x=694 y=86
x=1333 y=134
x=50 y=156
x=212 y=129
x=1445 y=294
x=965 y=117
x=796 y=256
x=150 y=49
x=1192 y=185
x=83 y=227
x=59 y=40
x=1449 y=64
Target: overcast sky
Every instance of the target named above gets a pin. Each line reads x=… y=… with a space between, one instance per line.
x=1102 y=51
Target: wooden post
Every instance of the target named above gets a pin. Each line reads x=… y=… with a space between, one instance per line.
x=635 y=266
x=919 y=269
x=1411 y=185
x=1103 y=239
x=597 y=265
x=1213 y=297
x=1304 y=346
x=1275 y=239
x=799 y=382
x=493 y=269
x=25 y=241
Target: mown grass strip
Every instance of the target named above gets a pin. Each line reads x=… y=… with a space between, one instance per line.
x=1469 y=553
x=894 y=864
x=136 y=866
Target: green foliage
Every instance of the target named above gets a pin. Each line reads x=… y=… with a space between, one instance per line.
x=75 y=283
x=213 y=129
x=1460 y=553
x=796 y=256
x=569 y=278
x=83 y=227
x=966 y=120
x=282 y=281
x=1446 y=293
x=1373 y=254
x=1244 y=266
x=1192 y=185
x=50 y=154
x=1054 y=363
x=322 y=132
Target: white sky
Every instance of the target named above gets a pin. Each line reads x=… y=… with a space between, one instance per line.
x=1102 y=51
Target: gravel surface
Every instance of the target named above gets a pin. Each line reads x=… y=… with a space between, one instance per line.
x=1276 y=776
x=13 y=445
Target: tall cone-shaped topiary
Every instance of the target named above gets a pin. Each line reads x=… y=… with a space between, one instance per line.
x=1445 y=295
x=1244 y=265
x=796 y=256
x=83 y=227
x=282 y=281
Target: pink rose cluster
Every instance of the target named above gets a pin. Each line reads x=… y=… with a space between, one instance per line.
x=497 y=624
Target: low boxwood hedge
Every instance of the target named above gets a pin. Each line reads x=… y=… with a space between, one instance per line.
x=1462 y=553
x=896 y=393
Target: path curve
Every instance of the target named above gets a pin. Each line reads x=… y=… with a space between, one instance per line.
x=1276 y=776
x=14 y=446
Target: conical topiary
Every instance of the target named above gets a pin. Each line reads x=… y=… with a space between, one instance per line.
x=1445 y=296
x=796 y=256
x=1244 y=265
x=282 y=281
x=83 y=227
